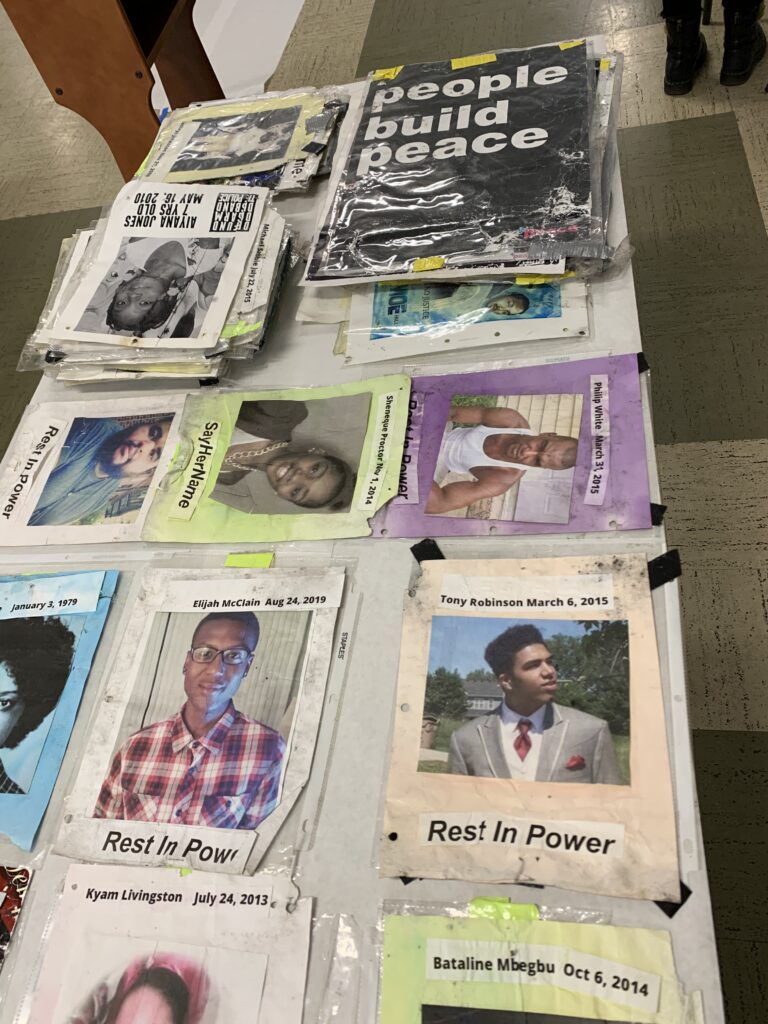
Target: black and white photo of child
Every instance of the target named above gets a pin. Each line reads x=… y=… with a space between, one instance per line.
x=222 y=142
x=158 y=287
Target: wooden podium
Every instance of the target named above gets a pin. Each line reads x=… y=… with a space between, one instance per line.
x=95 y=57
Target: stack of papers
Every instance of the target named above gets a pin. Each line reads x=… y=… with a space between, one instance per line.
x=280 y=140
x=172 y=282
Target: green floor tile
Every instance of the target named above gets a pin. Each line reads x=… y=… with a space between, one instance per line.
x=701 y=266
x=732 y=781
x=29 y=247
x=401 y=31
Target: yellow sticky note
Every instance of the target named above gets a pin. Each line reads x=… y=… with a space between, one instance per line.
x=250 y=560
x=570 y=43
x=427 y=263
x=605 y=64
x=525 y=279
x=497 y=908
x=470 y=62
x=387 y=72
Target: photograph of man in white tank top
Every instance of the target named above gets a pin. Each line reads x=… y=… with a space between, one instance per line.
x=497 y=449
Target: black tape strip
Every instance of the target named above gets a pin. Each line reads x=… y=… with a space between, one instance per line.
x=313 y=147
x=642 y=363
x=657 y=514
x=669 y=908
x=664 y=569
x=426 y=551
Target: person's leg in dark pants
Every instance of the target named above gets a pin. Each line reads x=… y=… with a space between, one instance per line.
x=686 y=46
x=744 y=40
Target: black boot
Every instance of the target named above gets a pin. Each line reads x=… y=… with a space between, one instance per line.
x=686 y=52
x=744 y=45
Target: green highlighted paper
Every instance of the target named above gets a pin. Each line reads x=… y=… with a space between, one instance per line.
x=576 y=972
x=298 y=464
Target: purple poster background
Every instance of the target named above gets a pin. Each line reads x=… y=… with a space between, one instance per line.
x=627 y=501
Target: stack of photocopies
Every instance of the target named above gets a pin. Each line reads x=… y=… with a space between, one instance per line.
x=473 y=167
x=279 y=140
x=172 y=282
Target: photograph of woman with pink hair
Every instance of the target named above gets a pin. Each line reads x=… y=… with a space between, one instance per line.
x=162 y=988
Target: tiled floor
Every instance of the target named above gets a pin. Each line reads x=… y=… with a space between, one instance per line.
x=695 y=173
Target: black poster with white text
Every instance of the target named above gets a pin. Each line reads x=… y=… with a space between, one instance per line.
x=463 y=163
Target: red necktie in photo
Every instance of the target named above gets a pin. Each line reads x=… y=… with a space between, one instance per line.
x=522 y=742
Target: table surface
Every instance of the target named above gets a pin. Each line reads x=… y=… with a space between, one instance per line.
x=330 y=839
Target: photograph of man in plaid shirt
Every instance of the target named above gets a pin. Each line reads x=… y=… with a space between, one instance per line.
x=208 y=764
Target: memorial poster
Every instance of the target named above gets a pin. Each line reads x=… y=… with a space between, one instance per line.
x=50 y=627
x=396 y=321
x=224 y=140
x=304 y=463
x=206 y=731
x=129 y=944
x=553 y=448
x=164 y=268
x=472 y=970
x=530 y=742
x=84 y=472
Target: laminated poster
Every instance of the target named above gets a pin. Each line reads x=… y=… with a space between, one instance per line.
x=49 y=630
x=206 y=731
x=165 y=269
x=441 y=970
x=307 y=463
x=529 y=742
x=84 y=472
x=395 y=321
x=223 y=140
x=553 y=448
x=14 y=883
x=426 y=180
x=132 y=944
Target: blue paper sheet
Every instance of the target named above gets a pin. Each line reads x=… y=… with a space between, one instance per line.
x=80 y=601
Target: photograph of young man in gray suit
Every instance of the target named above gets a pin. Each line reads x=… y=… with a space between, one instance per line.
x=529 y=737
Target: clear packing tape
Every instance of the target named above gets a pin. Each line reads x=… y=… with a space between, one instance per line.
x=468 y=963
x=427 y=159
x=278 y=140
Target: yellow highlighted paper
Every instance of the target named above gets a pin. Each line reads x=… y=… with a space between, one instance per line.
x=587 y=971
